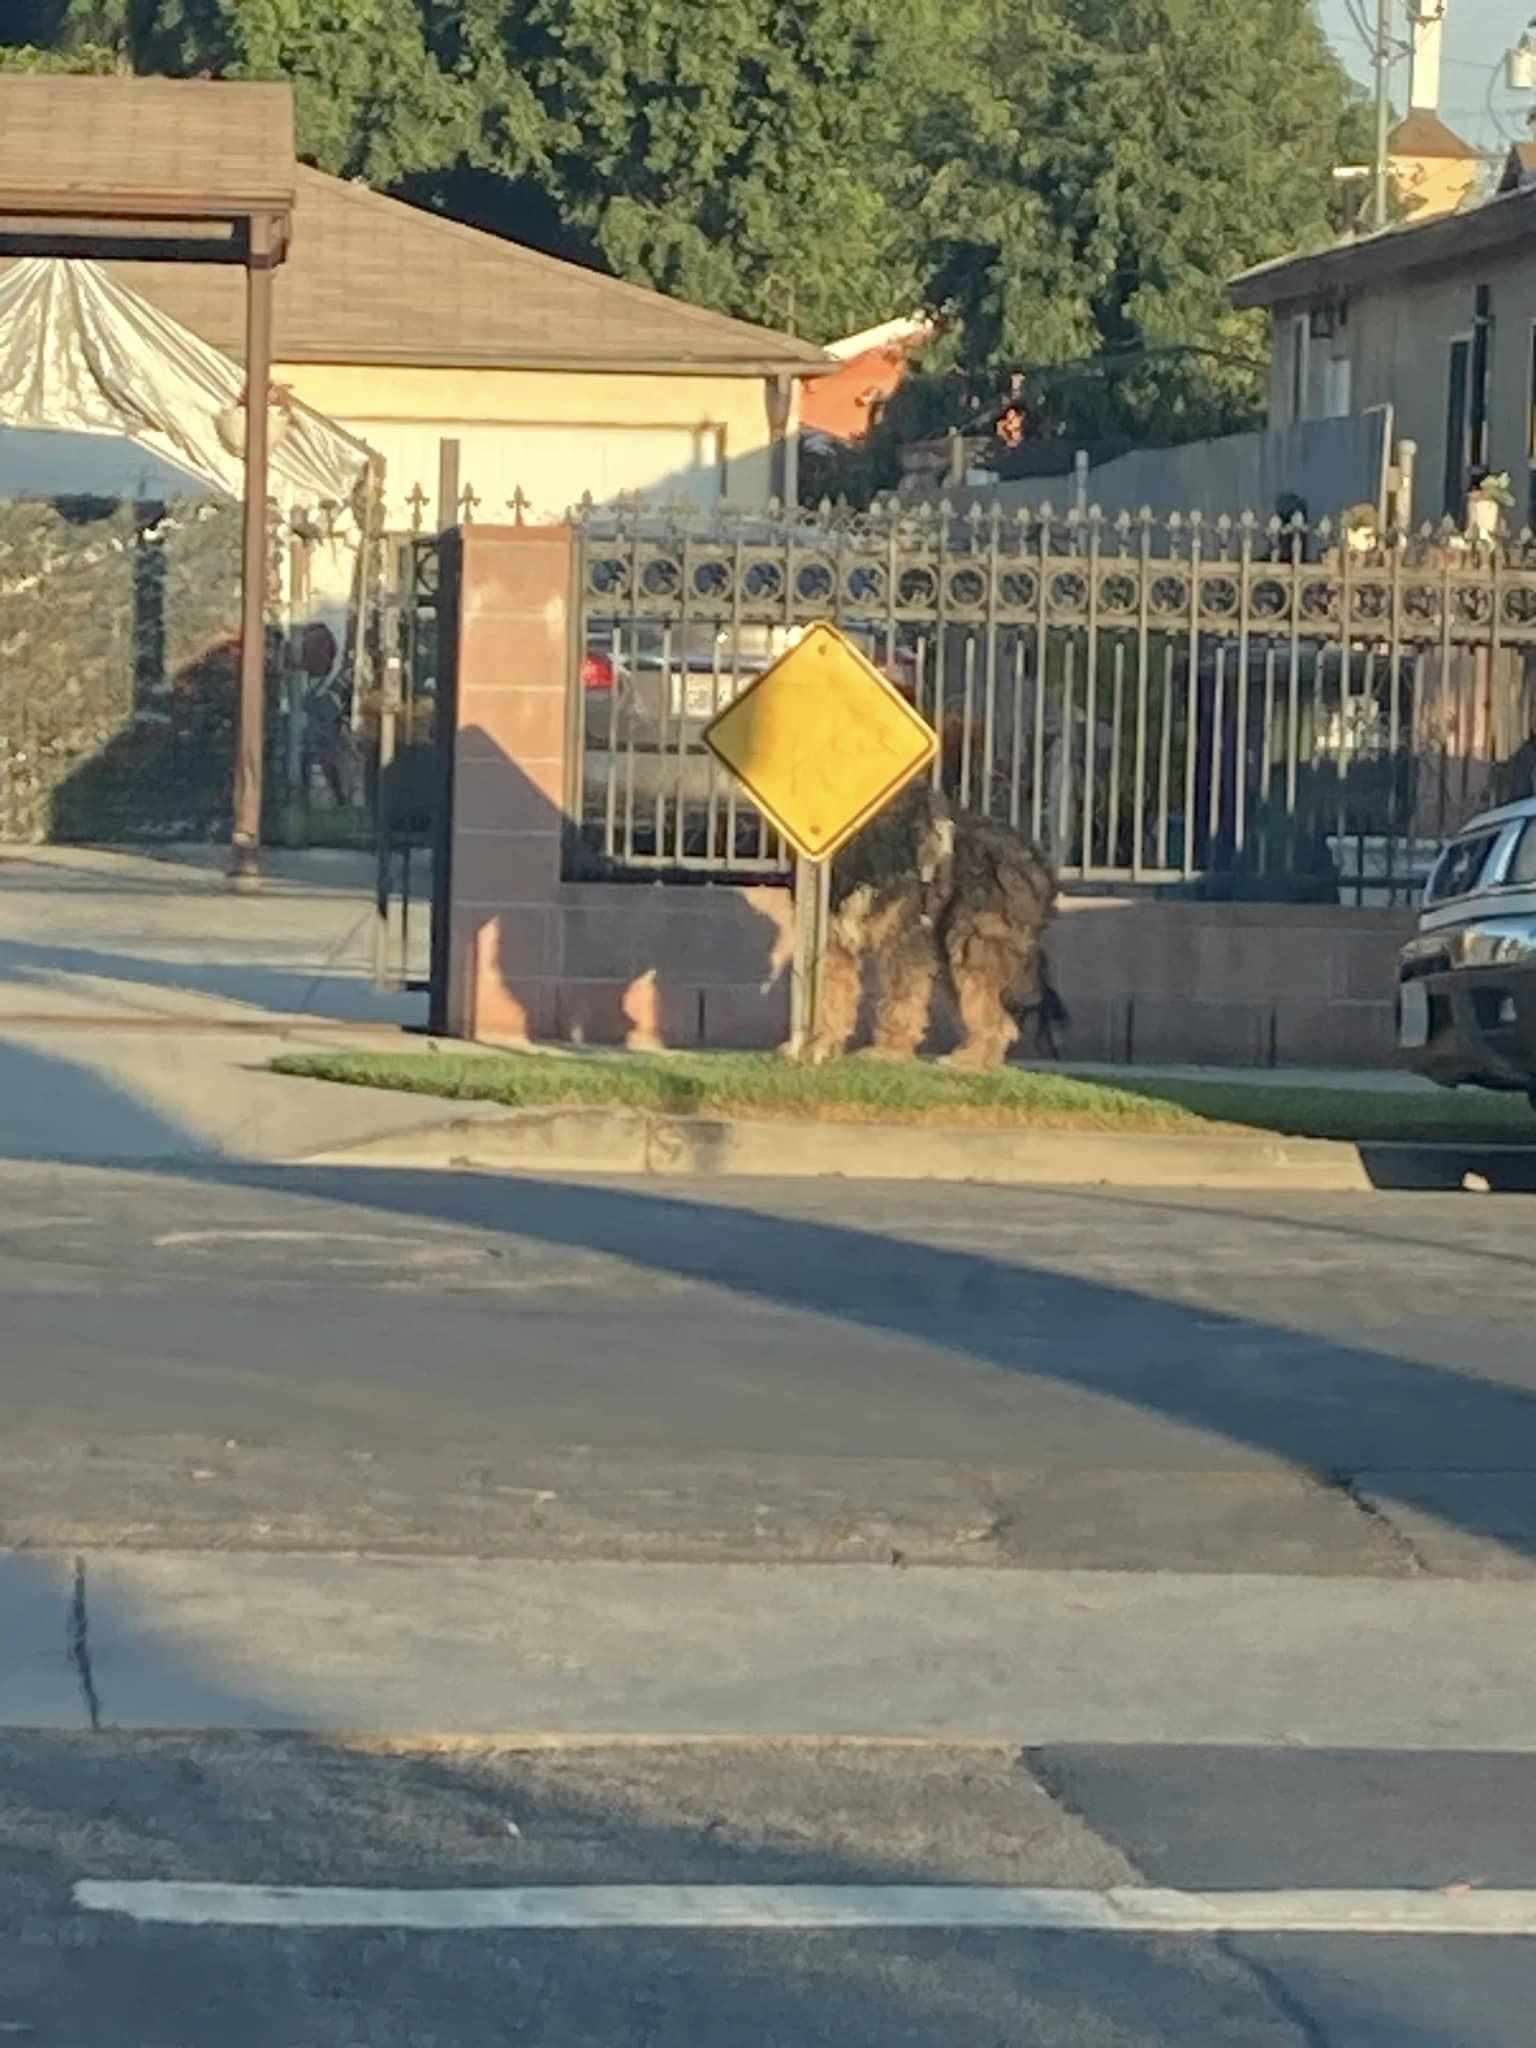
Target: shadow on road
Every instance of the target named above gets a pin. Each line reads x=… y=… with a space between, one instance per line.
x=1326 y=1406
x=288 y=1810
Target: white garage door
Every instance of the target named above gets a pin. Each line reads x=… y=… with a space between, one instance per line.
x=552 y=466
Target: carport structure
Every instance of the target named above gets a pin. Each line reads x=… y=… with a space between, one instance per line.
x=183 y=171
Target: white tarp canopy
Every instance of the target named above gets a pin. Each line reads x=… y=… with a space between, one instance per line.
x=81 y=354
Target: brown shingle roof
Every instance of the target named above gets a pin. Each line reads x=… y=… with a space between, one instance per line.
x=1423 y=133
x=195 y=147
x=372 y=280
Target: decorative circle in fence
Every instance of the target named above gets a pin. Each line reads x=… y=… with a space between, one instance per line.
x=1018 y=589
x=968 y=589
x=712 y=578
x=1118 y=596
x=1220 y=597
x=608 y=575
x=1371 y=602
x=917 y=589
x=661 y=576
x=763 y=582
x=814 y=582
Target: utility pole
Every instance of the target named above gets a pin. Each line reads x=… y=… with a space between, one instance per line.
x=1383 y=56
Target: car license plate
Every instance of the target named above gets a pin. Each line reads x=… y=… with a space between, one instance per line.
x=1413 y=1015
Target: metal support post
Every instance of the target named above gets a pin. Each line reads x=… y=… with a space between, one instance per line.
x=813 y=896
x=250 y=721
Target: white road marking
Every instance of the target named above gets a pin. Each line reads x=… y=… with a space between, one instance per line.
x=1121 y=1910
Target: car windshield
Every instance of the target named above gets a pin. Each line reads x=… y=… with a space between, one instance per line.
x=1460 y=867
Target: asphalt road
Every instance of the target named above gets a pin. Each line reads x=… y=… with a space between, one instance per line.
x=291 y=1812
x=421 y=1362
x=434 y=1366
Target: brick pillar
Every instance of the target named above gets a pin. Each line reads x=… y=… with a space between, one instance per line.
x=509 y=771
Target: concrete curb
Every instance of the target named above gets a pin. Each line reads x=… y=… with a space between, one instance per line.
x=640 y=1143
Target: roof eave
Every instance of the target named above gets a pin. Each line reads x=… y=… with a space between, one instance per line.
x=1449 y=237
x=124 y=202
x=523 y=359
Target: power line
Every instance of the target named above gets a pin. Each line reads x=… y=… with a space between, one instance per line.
x=1494 y=115
x=1382 y=62
x=1369 y=36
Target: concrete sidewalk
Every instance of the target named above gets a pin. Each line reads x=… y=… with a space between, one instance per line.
x=83 y=1092
x=575 y=1651
x=141 y=1002
x=92 y=935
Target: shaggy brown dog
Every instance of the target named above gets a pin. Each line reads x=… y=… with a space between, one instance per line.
x=937 y=898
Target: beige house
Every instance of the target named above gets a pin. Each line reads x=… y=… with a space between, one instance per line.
x=1433 y=170
x=532 y=381
x=1436 y=320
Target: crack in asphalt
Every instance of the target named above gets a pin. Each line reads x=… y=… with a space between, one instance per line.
x=1348 y=1484
x=80 y=1647
x=1262 y=1976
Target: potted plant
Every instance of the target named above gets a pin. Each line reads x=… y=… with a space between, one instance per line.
x=1489 y=500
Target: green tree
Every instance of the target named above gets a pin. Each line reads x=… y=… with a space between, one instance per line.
x=370 y=100
x=747 y=154
x=1101 y=174
x=1070 y=181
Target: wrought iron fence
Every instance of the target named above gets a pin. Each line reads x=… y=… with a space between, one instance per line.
x=1230 y=707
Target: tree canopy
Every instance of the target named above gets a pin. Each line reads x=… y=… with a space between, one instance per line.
x=1067 y=182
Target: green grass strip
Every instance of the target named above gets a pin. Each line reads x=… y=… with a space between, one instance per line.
x=918 y=1092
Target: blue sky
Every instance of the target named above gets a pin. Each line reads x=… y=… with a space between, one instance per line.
x=1478 y=34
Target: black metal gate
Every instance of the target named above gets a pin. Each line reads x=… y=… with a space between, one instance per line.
x=408 y=798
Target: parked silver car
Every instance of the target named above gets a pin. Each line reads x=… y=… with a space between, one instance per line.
x=1466 y=998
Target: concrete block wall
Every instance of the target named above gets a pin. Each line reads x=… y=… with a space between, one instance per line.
x=1228 y=984
x=531 y=956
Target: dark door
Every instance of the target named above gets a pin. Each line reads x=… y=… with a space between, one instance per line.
x=1457 y=426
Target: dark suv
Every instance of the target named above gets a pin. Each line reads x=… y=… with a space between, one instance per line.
x=1466 y=998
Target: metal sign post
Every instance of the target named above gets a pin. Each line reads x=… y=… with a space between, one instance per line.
x=813 y=895
x=821 y=742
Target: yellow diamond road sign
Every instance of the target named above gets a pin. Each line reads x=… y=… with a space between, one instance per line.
x=821 y=742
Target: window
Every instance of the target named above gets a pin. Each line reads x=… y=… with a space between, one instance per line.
x=1458 y=454
x=1459 y=867
x=1338 y=384
x=1522 y=862
x=1301 y=364
x=1482 y=345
